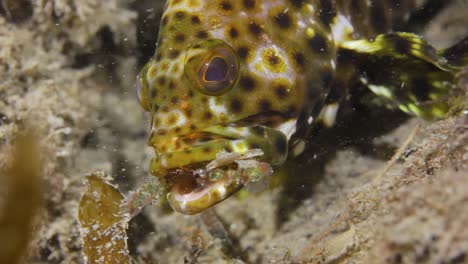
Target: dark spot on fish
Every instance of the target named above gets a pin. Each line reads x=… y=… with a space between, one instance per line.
x=318 y=44
x=161 y=80
x=188 y=112
x=154 y=93
x=179 y=38
x=283 y=20
x=226 y=6
x=233 y=32
x=202 y=34
x=172 y=85
x=299 y=59
x=207 y=115
x=247 y=83
x=174 y=54
x=195 y=20
x=273 y=59
x=180 y=15
x=164 y=20
x=281 y=91
x=402 y=45
x=206 y=149
x=236 y=106
x=243 y=52
x=171 y=120
x=264 y=105
x=255 y=29
x=249 y=4
x=158 y=56
x=297 y=3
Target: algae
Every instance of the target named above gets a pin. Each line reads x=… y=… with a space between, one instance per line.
x=21 y=198
x=102 y=224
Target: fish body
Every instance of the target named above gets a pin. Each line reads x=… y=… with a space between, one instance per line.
x=239 y=76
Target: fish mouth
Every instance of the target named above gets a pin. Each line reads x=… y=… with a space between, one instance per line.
x=220 y=161
x=192 y=192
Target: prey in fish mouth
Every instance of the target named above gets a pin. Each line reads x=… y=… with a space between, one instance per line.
x=193 y=190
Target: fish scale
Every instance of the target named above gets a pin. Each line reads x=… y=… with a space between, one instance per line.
x=232 y=76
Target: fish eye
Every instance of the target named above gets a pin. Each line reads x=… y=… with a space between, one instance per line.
x=217 y=75
x=214 y=68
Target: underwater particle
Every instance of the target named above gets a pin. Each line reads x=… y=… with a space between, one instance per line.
x=16 y=10
x=102 y=224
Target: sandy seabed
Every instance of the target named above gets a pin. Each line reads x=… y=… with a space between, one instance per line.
x=69 y=68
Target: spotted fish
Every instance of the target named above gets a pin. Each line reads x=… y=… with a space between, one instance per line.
x=234 y=77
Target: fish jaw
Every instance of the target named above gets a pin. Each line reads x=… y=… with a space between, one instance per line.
x=220 y=184
x=207 y=173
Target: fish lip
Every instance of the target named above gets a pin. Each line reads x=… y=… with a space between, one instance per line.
x=210 y=192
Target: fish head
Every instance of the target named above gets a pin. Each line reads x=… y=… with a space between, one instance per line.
x=228 y=79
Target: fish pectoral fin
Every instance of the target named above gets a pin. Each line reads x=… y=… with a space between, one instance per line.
x=406 y=72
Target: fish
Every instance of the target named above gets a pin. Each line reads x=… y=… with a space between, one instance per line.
x=235 y=86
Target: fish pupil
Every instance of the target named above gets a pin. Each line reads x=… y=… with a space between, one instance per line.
x=217 y=70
